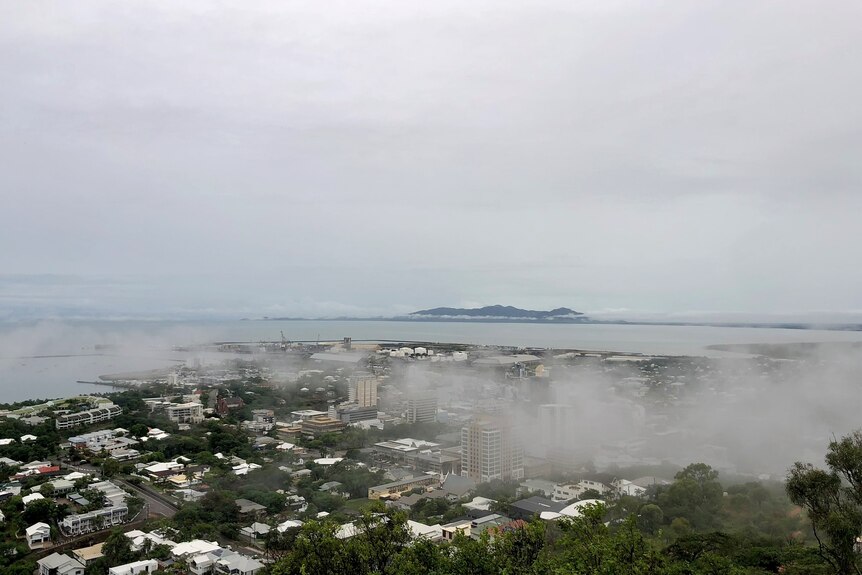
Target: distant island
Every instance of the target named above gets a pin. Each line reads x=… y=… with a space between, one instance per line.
x=487 y=314
x=560 y=315
x=491 y=313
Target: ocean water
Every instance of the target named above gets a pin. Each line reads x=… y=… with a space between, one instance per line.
x=46 y=359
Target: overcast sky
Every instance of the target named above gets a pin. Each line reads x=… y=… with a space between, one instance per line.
x=314 y=158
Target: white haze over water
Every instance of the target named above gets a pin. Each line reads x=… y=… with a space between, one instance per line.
x=739 y=419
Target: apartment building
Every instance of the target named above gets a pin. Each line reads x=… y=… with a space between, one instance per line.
x=422 y=408
x=103 y=412
x=94 y=520
x=185 y=412
x=491 y=450
x=363 y=391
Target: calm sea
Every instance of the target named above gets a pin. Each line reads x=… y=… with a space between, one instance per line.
x=43 y=360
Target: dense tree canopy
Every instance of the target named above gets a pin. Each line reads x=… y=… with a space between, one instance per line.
x=833 y=500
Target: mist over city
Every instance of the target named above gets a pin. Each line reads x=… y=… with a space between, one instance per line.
x=396 y=288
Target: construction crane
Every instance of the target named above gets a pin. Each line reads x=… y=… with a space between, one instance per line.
x=284 y=341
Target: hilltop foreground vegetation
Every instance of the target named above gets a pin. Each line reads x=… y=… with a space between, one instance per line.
x=692 y=527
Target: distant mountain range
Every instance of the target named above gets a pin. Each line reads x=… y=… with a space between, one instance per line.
x=497 y=313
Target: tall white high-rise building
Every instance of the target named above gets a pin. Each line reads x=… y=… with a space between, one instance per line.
x=491 y=449
x=363 y=391
x=422 y=408
x=556 y=426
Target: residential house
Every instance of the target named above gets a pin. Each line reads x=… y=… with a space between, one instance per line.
x=255 y=531
x=567 y=492
x=541 y=485
x=57 y=564
x=333 y=487
x=61 y=486
x=139 y=539
x=534 y=506
x=449 y=530
x=38 y=535
x=247 y=507
x=87 y=555
x=423 y=531
x=144 y=566
x=227 y=404
x=626 y=487
x=189 y=494
x=232 y=563
x=31 y=498
x=457 y=486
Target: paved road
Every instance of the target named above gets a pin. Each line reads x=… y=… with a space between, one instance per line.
x=157 y=505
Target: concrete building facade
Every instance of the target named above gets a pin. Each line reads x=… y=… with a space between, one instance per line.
x=102 y=413
x=422 y=408
x=185 y=412
x=491 y=450
x=363 y=391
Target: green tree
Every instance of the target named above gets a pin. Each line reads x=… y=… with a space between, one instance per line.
x=317 y=551
x=590 y=546
x=695 y=496
x=41 y=510
x=110 y=467
x=517 y=550
x=833 y=500
x=118 y=548
x=650 y=518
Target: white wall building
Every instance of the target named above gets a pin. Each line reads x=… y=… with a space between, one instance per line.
x=57 y=564
x=185 y=412
x=491 y=450
x=94 y=520
x=363 y=391
x=103 y=412
x=145 y=566
x=38 y=535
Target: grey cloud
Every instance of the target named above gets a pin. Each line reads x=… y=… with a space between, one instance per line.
x=610 y=154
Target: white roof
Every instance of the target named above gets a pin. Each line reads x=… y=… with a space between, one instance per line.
x=575 y=509
x=328 y=460
x=166 y=466
x=307 y=413
x=239 y=563
x=194 y=547
x=37 y=528
x=29 y=437
x=75 y=475
x=289 y=524
x=285 y=446
x=347 y=531
x=31 y=498
x=256 y=527
x=134 y=567
x=480 y=503
x=244 y=468
x=422 y=530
